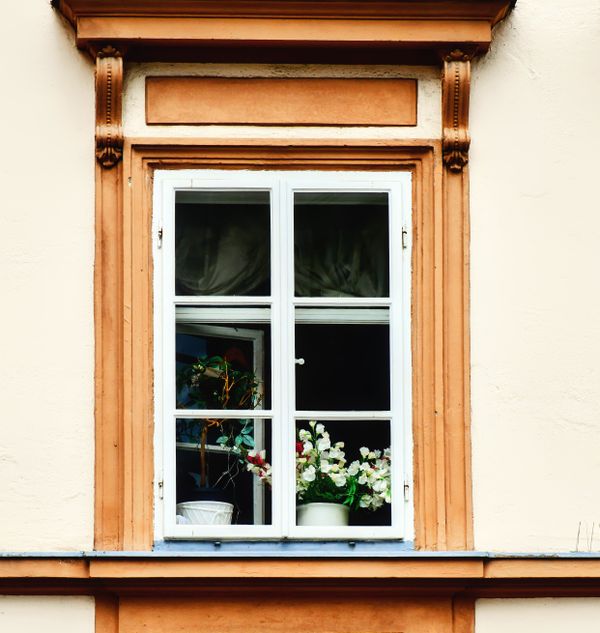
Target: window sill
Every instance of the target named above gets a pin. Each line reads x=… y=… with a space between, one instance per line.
x=292 y=549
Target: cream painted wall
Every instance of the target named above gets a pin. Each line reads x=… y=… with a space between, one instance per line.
x=46 y=268
x=537 y=615
x=535 y=296
x=428 y=101
x=51 y=614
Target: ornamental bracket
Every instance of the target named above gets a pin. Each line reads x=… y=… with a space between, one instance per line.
x=456 y=83
x=109 y=110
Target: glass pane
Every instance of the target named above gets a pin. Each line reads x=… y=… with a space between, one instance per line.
x=346 y=463
x=225 y=366
x=223 y=471
x=222 y=243
x=342 y=367
x=341 y=244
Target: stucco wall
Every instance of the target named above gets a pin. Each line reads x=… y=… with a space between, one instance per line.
x=51 y=614
x=535 y=257
x=533 y=615
x=46 y=268
x=534 y=271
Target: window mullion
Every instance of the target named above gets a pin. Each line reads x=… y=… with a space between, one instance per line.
x=286 y=213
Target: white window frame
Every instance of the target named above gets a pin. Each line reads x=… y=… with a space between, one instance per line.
x=282 y=305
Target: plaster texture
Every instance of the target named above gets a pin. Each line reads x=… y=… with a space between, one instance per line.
x=428 y=101
x=535 y=303
x=51 y=614
x=46 y=284
x=533 y=615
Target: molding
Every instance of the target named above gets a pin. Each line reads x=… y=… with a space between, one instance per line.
x=456 y=84
x=109 y=111
x=348 y=31
x=280 y=101
x=234 y=581
x=124 y=325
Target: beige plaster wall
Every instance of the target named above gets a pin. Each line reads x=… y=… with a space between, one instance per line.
x=46 y=268
x=428 y=101
x=533 y=615
x=51 y=614
x=535 y=296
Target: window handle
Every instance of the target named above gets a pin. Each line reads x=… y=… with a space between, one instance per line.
x=299 y=361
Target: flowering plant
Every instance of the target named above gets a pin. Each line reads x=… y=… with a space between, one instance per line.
x=322 y=473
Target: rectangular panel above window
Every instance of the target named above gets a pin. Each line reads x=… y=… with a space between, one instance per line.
x=283 y=374
x=280 y=101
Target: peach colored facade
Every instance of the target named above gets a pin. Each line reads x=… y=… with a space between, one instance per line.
x=535 y=305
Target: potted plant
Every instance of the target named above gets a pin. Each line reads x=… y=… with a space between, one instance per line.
x=212 y=383
x=327 y=488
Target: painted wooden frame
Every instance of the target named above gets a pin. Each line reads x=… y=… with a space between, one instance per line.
x=124 y=494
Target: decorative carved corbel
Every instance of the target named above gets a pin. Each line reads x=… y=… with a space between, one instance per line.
x=109 y=93
x=456 y=83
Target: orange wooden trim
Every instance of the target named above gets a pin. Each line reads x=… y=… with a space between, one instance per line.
x=440 y=341
x=280 y=101
x=107 y=613
x=463 y=615
x=109 y=96
x=319 y=612
x=491 y=10
x=318 y=569
x=124 y=386
x=456 y=83
x=43 y=568
x=109 y=377
x=414 y=31
x=485 y=571
x=546 y=568
x=257 y=30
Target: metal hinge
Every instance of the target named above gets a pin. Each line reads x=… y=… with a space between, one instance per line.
x=406 y=491
x=161 y=488
x=160 y=237
x=404 y=237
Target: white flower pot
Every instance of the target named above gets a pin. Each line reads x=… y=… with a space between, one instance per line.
x=206 y=512
x=331 y=514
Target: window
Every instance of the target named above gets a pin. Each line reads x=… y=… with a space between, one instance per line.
x=282 y=304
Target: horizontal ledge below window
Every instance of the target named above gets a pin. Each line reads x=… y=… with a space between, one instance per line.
x=292 y=549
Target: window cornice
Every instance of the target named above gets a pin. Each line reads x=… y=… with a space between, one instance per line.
x=285 y=31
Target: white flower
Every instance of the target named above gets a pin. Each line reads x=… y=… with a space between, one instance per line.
x=309 y=473
x=335 y=453
x=308 y=446
x=364 y=451
x=354 y=468
x=325 y=466
x=312 y=424
x=324 y=443
x=320 y=429
x=304 y=435
x=339 y=479
x=365 y=501
x=380 y=485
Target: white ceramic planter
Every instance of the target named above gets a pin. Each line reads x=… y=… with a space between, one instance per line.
x=206 y=512
x=331 y=514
